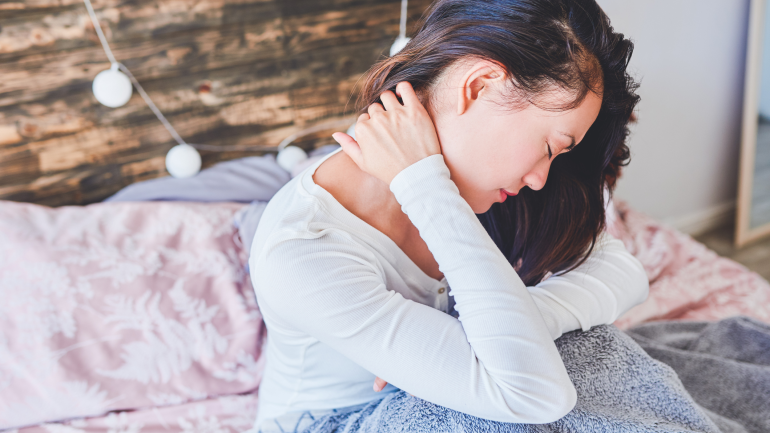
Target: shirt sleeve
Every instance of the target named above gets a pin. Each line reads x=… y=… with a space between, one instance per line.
x=497 y=361
x=610 y=282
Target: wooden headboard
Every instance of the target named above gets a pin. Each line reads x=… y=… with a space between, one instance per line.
x=224 y=72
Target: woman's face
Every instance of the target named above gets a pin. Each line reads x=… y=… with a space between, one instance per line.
x=493 y=151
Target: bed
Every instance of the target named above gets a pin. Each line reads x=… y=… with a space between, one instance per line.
x=116 y=325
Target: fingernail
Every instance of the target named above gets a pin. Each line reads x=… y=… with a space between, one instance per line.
x=375 y=388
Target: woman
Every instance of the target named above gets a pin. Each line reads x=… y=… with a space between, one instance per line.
x=372 y=264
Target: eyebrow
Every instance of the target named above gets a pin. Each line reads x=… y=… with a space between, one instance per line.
x=573 y=144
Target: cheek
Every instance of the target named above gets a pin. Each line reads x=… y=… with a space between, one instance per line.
x=480 y=169
x=485 y=154
x=470 y=158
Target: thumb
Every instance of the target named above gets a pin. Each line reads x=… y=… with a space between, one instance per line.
x=379 y=384
x=349 y=146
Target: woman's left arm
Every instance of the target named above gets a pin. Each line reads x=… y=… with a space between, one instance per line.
x=610 y=282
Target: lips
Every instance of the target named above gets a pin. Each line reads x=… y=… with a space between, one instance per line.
x=504 y=194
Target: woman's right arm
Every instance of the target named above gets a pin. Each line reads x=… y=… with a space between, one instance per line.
x=497 y=361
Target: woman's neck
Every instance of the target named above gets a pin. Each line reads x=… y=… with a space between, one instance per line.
x=362 y=194
x=370 y=199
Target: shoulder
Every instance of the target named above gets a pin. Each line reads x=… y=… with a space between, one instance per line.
x=298 y=273
x=299 y=244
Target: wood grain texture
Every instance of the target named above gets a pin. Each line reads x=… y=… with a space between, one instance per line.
x=225 y=73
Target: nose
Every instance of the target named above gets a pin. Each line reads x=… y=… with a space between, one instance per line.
x=538 y=175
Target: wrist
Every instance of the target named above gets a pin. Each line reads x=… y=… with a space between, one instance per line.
x=422 y=174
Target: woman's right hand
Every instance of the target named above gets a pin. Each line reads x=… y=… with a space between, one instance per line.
x=379 y=385
x=391 y=138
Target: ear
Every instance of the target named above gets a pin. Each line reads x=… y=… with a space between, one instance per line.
x=476 y=81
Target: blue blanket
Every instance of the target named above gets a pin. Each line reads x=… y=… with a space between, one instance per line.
x=621 y=388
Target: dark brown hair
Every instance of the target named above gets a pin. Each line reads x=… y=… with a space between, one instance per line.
x=569 y=44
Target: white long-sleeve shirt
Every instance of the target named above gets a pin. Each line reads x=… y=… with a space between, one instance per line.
x=342 y=303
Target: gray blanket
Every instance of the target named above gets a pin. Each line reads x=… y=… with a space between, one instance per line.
x=725 y=366
x=620 y=387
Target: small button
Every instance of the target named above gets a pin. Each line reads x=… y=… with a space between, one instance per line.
x=441 y=291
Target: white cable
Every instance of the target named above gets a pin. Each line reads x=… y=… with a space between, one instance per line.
x=234 y=148
x=402 y=26
x=290 y=139
x=401 y=40
x=151 y=104
x=284 y=143
x=99 y=33
x=125 y=70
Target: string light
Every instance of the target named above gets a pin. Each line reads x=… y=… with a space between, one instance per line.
x=113 y=88
x=401 y=40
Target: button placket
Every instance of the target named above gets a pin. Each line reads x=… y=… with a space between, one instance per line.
x=441 y=298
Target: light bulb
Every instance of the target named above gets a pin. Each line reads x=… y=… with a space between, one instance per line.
x=289 y=157
x=112 y=87
x=398 y=45
x=183 y=161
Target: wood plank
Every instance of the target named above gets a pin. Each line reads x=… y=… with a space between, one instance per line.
x=68 y=27
x=59 y=73
x=37 y=121
x=223 y=76
x=136 y=142
x=315 y=27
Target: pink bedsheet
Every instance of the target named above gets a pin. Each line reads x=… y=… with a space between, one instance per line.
x=688 y=281
x=225 y=414
x=122 y=306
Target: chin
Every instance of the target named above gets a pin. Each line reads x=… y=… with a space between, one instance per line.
x=481 y=208
x=480 y=202
x=484 y=210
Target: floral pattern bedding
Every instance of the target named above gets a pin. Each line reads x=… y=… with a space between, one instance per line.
x=123 y=306
x=687 y=280
x=139 y=317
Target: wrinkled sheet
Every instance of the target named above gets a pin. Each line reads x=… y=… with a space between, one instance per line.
x=254 y=178
x=724 y=365
x=688 y=281
x=122 y=306
x=240 y=180
x=225 y=414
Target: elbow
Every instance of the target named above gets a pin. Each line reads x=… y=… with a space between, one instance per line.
x=569 y=402
x=635 y=281
x=644 y=291
x=564 y=400
x=643 y=282
x=551 y=403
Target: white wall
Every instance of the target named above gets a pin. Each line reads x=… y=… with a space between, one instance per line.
x=764 y=86
x=689 y=56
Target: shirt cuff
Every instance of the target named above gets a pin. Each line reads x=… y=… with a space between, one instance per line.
x=422 y=172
